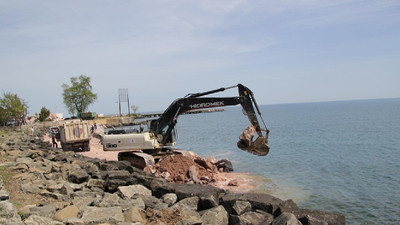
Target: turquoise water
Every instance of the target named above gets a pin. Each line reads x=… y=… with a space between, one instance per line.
x=334 y=156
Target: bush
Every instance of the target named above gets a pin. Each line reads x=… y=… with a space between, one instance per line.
x=44 y=113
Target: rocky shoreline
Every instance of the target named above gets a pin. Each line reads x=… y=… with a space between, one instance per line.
x=69 y=188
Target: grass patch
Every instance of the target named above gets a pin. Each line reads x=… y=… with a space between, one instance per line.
x=7 y=173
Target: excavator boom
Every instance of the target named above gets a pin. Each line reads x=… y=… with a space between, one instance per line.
x=164 y=126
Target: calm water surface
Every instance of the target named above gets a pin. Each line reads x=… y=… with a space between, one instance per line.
x=335 y=156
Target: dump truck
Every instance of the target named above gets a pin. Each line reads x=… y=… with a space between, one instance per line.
x=75 y=135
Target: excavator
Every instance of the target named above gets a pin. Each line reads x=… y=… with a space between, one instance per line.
x=150 y=142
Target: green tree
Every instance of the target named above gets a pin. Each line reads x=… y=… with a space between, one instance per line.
x=79 y=95
x=13 y=107
x=44 y=113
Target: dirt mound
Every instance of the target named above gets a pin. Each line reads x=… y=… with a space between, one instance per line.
x=184 y=169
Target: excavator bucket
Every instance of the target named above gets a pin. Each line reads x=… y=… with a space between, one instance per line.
x=258 y=147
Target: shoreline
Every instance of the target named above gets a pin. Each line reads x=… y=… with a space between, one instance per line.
x=244 y=182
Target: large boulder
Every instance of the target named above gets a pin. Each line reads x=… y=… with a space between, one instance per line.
x=112 y=185
x=95 y=183
x=309 y=217
x=40 y=220
x=286 y=219
x=189 y=217
x=92 y=169
x=153 y=202
x=216 y=215
x=262 y=202
x=109 y=200
x=95 y=215
x=8 y=213
x=78 y=176
x=190 y=203
x=127 y=192
x=82 y=202
x=68 y=212
x=251 y=218
x=127 y=203
x=116 y=178
x=209 y=196
x=117 y=174
x=148 y=179
x=161 y=187
x=47 y=210
x=30 y=187
x=169 y=198
x=240 y=207
x=135 y=214
x=67 y=189
x=107 y=165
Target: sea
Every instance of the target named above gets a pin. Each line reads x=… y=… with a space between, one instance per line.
x=340 y=157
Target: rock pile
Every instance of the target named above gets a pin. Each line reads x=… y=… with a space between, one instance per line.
x=75 y=190
x=188 y=168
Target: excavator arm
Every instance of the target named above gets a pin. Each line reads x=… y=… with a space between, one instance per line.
x=163 y=127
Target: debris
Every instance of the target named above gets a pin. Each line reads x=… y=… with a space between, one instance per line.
x=224 y=165
x=188 y=168
x=246 y=137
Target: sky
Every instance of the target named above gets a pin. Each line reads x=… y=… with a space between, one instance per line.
x=284 y=51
